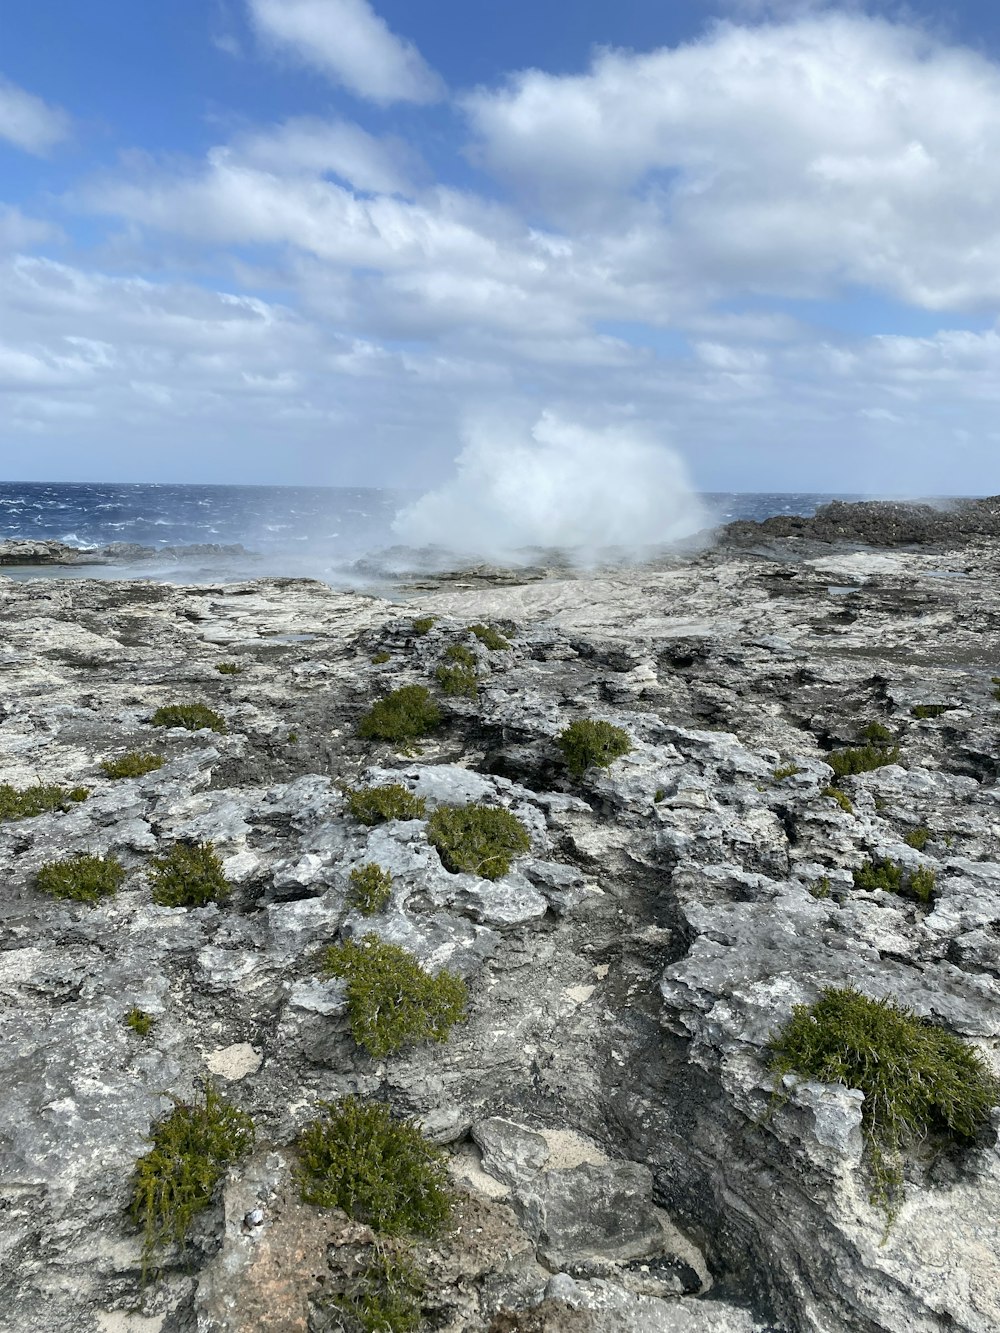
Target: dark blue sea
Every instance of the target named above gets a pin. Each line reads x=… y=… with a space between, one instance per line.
x=337 y=534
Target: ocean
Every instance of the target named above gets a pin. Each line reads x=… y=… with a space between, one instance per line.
x=339 y=534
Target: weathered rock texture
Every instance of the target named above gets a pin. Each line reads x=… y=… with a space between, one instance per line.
x=606 y=1105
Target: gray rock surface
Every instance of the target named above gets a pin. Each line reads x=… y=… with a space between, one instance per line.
x=607 y=1108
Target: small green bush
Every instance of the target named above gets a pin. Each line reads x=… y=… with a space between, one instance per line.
x=490 y=638
x=375 y=805
x=841 y=797
x=788 y=771
x=371 y=889
x=379 y=1170
x=659 y=795
x=193 y=1145
x=189 y=875
x=140 y=1022
x=392 y=1001
x=228 y=669
x=423 y=625
x=864 y=759
x=462 y=655
x=589 y=744
x=821 y=888
x=42 y=799
x=82 y=878
x=890 y=878
x=479 y=839
x=876 y=734
x=918 y=1080
x=402 y=716
x=132 y=765
x=930 y=710
x=918 y=838
x=384 y=1297
x=192 y=717
x=380 y=659
x=457 y=682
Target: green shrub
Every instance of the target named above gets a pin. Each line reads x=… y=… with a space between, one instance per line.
x=659 y=795
x=42 y=799
x=589 y=744
x=384 y=1297
x=402 y=716
x=890 y=878
x=841 y=797
x=479 y=839
x=423 y=625
x=132 y=765
x=490 y=638
x=139 y=1021
x=228 y=669
x=462 y=655
x=392 y=1001
x=82 y=878
x=379 y=1170
x=192 y=717
x=371 y=889
x=864 y=759
x=189 y=875
x=293 y=738
x=788 y=771
x=930 y=710
x=193 y=1145
x=821 y=888
x=457 y=681
x=375 y=805
x=918 y=1080
x=380 y=659
x=876 y=734
x=918 y=838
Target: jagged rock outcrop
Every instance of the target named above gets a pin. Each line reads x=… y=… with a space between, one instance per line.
x=619 y=1158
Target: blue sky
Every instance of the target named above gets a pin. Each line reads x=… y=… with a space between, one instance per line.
x=324 y=240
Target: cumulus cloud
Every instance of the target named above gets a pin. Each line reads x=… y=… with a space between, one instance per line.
x=788 y=158
x=308 y=145
x=348 y=41
x=28 y=122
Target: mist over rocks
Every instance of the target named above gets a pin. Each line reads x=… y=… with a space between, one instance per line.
x=607 y=1109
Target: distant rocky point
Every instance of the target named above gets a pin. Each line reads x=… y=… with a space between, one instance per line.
x=878 y=523
x=25 y=551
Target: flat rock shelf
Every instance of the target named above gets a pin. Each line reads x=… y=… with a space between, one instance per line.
x=619 y=1154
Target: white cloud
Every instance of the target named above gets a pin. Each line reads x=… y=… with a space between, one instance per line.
x=29 y=123
x=347 y=40
x=18 y=231
x=788 y=158
x=308 y=145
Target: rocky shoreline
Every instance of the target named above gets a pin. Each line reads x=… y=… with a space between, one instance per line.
x=607 y=1109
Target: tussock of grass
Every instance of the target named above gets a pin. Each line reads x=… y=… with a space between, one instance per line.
x=930 y=710
x=192 y=717
x=379 y=659
x=423 y=625
x=841 y=797
x=140 y=1022
x=192 y=1147
x=861 y=759
x=135 y=764
x=589 y=744
x=188 y=875
x=379 y=1170
x=403 y=716
x=384 y=1297
x=918 y=1079
x=228 y=669
x=392 y=1001
x=891 y=878
x=375 y=805
x=42 y=799
x=479 y=839
x=788 y=771
x=918 y=838
x=82 y=878
x=371 y=889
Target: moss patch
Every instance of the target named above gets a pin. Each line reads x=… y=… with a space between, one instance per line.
x=188 y=875
x=192 y=1148
x=841 y=797
x=918 y=1080
x=861 y=759
x=135 y=764
x=479 y=839
x=379 y=659
x=918 y=838
x=371 y=889
x=392 y=1001
x=27 y=802
x=375 y=805
x=379 y=1170
x=403 y=716
x=930 y=710
x=140 y=1022
x=589 y=744
x=192 y=717
x=228 y=669
x=82 y=879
